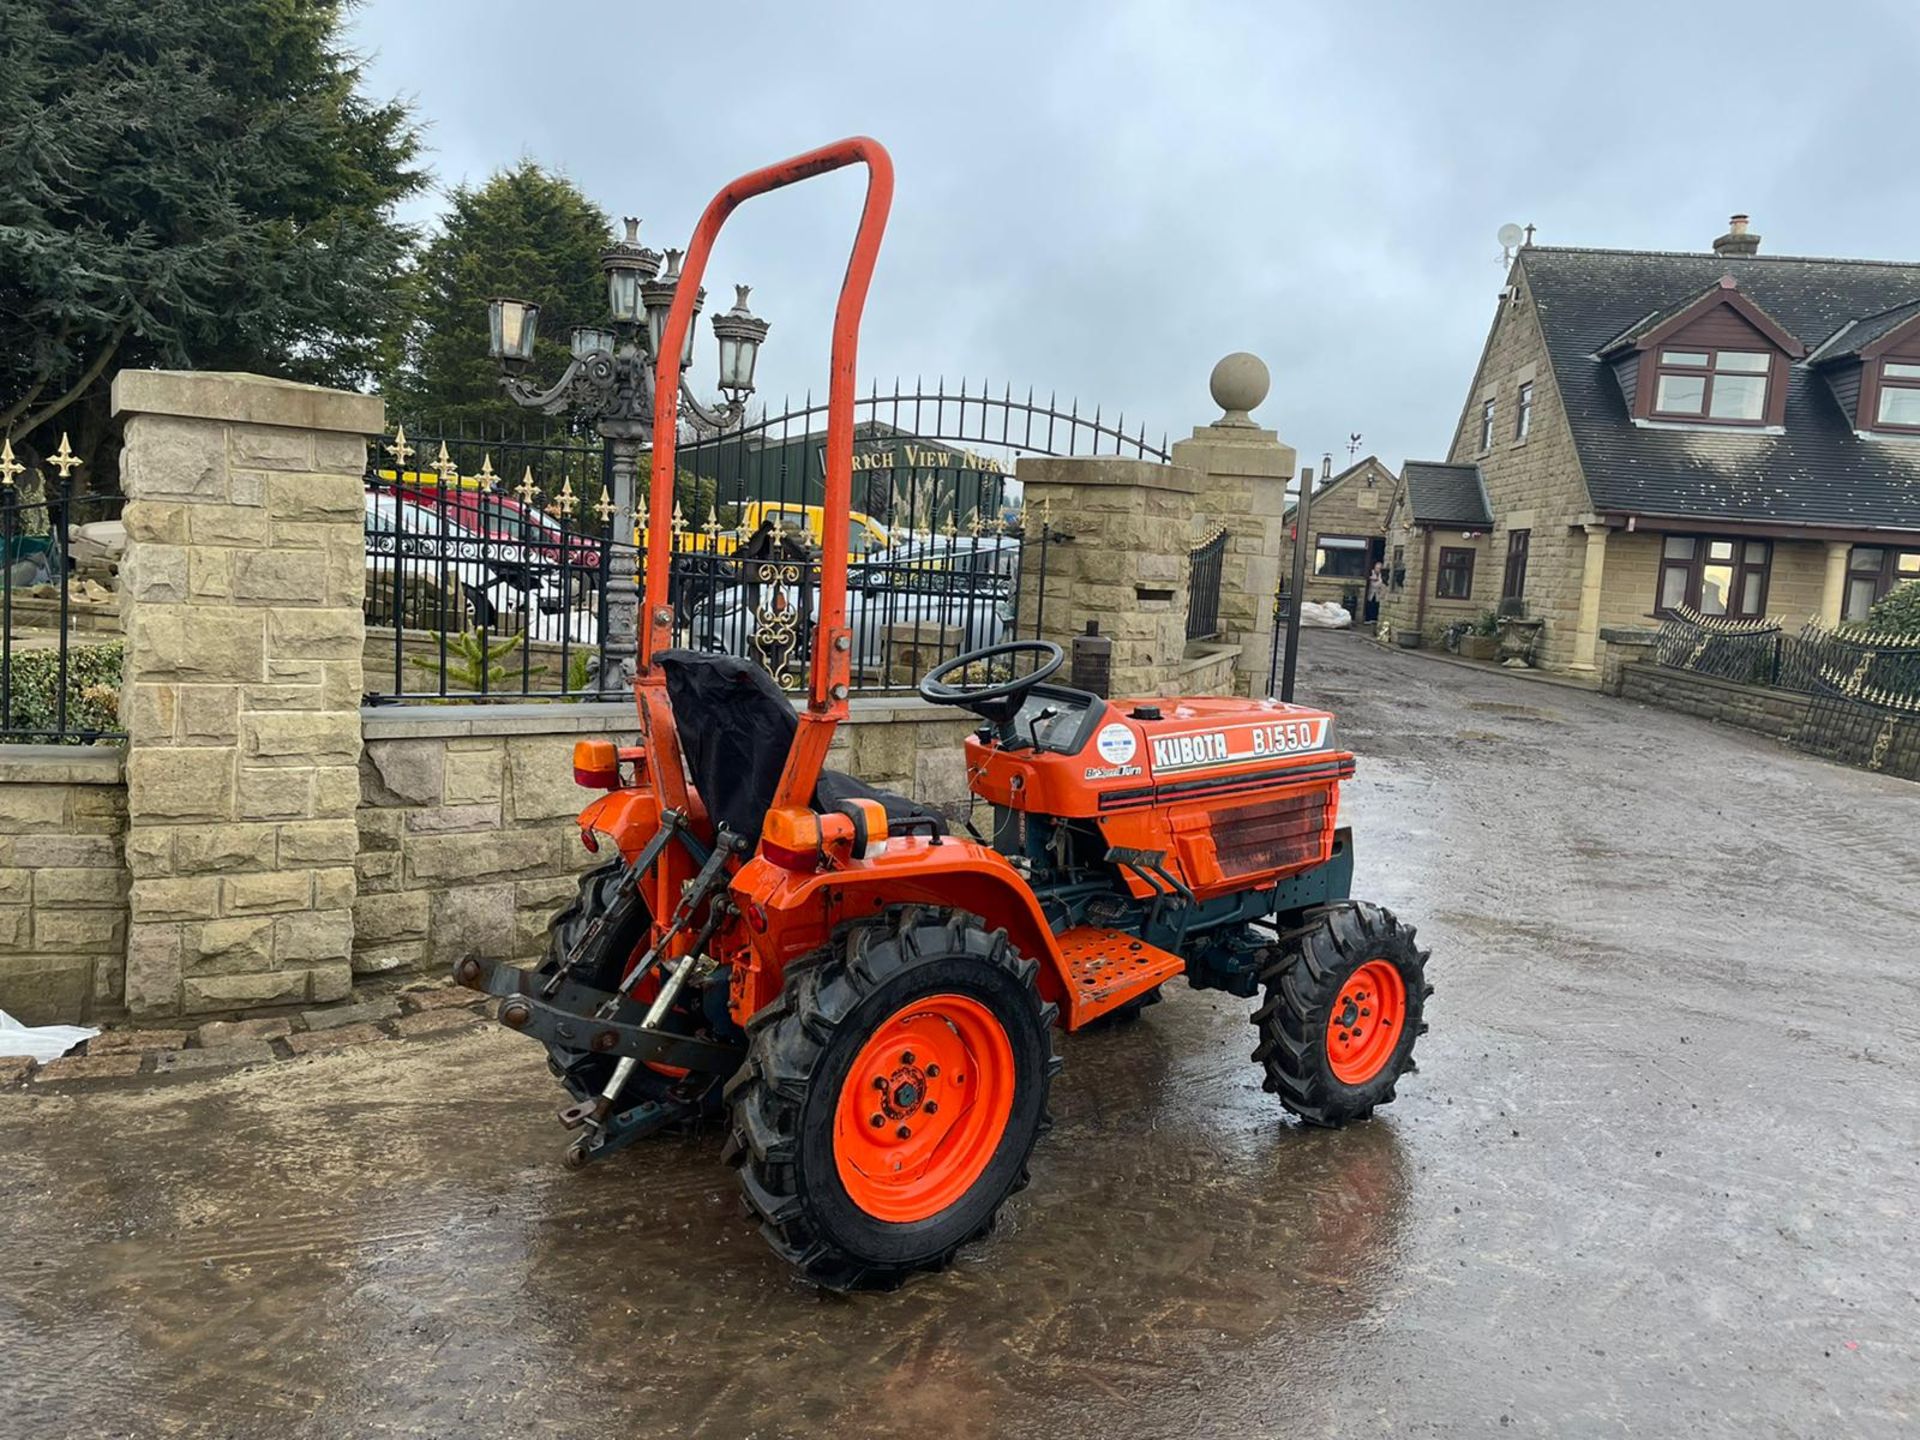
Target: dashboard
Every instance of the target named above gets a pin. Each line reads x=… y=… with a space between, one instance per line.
x=1056 y=719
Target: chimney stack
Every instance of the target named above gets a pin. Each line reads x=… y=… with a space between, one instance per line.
x=1738 y=240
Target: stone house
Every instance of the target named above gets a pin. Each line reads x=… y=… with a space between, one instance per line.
x=1437 y=525
x=1347 y=531
x=1725 y=430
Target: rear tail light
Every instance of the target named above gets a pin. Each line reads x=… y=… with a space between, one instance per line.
x=596 y=764
x=799 y=840
x=790 y=838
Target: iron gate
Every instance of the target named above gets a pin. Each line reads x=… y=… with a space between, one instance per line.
x=937 y=542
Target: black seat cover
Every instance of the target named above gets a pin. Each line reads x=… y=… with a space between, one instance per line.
x=736 y=727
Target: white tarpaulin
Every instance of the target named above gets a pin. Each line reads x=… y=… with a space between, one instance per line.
x=1326 y=616
x=42 y=1042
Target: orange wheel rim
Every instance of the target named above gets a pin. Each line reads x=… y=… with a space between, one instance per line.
x=1364 y=1027
x=923 y=1108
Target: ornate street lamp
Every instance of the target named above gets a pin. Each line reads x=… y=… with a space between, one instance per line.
x=609 y=380
x=513 y=324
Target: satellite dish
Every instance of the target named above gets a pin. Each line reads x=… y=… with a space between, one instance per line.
x=1510 y=236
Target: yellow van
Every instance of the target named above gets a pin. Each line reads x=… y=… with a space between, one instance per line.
x=864 y=533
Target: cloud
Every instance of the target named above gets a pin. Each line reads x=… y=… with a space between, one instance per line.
x=1101 y=199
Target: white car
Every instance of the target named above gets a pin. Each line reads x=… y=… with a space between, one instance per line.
x=435 y=564
x=909 y=592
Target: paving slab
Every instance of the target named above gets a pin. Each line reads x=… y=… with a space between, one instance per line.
x=360 y=1012
x=1656 y=1175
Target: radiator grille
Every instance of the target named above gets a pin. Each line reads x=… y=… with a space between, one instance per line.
x=1272 y=834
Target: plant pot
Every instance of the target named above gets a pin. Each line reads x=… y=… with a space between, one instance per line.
x=1479 y=647
x=1407 y=639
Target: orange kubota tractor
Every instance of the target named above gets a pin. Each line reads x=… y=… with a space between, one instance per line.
x=867 y=998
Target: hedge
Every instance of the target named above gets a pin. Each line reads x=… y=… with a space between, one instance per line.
x=93 y=694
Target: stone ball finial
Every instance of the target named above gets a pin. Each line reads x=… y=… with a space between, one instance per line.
x=1239 y=383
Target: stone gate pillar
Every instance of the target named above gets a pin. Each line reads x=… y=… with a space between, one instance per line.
x=1245 y=471
x=1120 y=533
x=241 y=596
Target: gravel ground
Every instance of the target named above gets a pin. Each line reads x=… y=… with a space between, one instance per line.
x=1658 y=1174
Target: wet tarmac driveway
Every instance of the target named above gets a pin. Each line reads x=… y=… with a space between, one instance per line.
x=1658 y=1175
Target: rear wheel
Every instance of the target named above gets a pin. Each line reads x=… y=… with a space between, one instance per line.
x=1344 y=998
x=891 y=1097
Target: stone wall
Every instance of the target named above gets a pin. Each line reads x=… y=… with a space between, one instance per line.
x=1777 y=713
x=467 y=834
x=1122 y=536
x=241 y=594
x=63 y=882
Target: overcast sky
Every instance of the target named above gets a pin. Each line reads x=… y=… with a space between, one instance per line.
x=1103 y=199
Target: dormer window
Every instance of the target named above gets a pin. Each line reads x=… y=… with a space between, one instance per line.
x=1872 y=367
x=1717 y=359
x=1724 y=385
x=1899 y=395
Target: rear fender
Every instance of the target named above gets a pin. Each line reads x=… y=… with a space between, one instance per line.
x=789 y=915
x=627 y=817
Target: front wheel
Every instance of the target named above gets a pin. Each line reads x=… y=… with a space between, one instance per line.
x=1344 y=997
x=891 y=1097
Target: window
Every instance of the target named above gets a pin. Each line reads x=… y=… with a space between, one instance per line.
x=1455 y=574
x=1724 y=385
x=1341 y=557
x=1486 y=426
x=1513 y=584
x=1899 y=395
x=1873 y=570
x=1399 y=577
x=1715 y=577
x=1523 y=413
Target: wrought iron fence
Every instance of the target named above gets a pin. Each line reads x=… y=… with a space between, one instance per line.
x=1865 y=687
x=1850 y=662
x=1744 y=651
x=480 y=589
x=488 y=553
x=60 y=652
x=1203 y=586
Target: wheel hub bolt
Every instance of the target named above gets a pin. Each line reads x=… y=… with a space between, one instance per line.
x=879 y=1082
x=878 y=1121
x=933 y=1072
x=903 y=1132
x=906 y=1057
x=932 y=1107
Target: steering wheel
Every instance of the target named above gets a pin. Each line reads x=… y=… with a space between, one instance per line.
x=996 y=702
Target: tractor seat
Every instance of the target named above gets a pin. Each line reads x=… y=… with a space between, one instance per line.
x=736 y=727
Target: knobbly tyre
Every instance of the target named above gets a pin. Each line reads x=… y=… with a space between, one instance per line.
x=865 y=999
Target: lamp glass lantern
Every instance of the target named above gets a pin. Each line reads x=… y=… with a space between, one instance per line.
x=589 y=340
x=628 y=264
x=512 y=326
x=740 y=334
x=658 y=296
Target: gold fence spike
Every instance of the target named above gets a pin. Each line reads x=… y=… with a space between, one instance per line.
x=63 y=459
x=526 y=489
x=444 y=467
x=9 y=467
x=566 y=501
x=400 y=450
x=486 y=475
